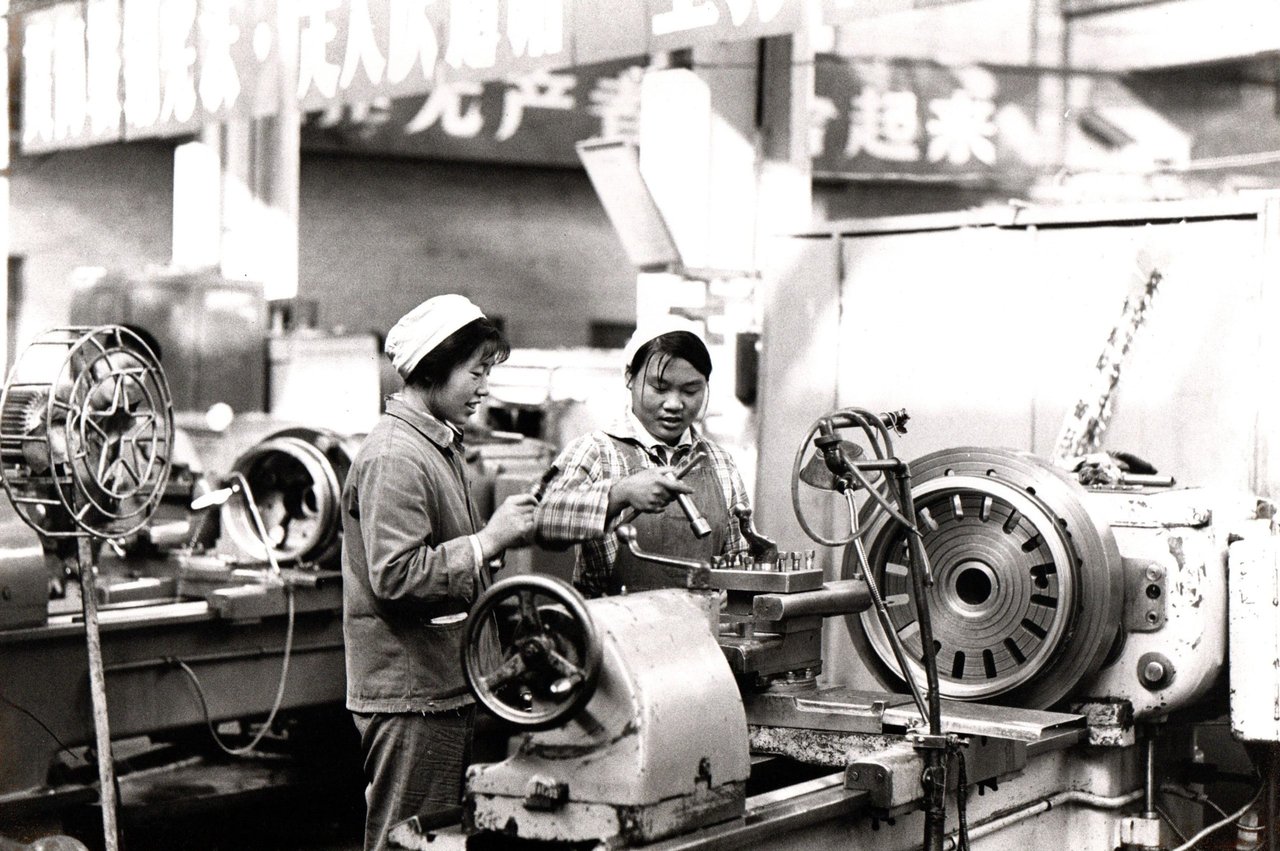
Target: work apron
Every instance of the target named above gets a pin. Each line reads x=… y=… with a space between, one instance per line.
x=667 y=532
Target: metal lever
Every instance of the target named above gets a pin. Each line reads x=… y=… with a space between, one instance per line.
x=761 y=547
x=240 y=485
x=628 y=534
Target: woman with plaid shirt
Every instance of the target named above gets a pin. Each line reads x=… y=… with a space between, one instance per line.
x=629 y=465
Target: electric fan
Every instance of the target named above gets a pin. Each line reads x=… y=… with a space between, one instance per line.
x=86 y=428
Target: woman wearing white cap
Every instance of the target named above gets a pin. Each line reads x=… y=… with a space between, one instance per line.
x=629 y=465
x=414 y=558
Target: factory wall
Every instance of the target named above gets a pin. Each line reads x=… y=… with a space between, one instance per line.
x=533 y=246
x=108 y=206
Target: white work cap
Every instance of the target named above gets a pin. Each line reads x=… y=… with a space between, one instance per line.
x=425 y=327
x=654 y=329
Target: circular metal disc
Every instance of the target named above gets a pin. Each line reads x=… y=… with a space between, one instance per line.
x=1027 y=586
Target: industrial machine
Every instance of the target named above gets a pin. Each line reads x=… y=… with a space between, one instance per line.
x=119 y=627
x=1002 y=648
x=1048 y=653
x=215 y=594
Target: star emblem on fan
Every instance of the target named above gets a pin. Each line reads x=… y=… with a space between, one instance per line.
x=120 y=438
x=86 y=429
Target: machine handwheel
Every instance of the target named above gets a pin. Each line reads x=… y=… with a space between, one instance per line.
x=549 y=657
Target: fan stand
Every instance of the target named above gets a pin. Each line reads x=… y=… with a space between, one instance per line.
x=98 y=692
x=87 y=443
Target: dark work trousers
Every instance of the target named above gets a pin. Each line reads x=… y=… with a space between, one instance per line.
x=413 y=763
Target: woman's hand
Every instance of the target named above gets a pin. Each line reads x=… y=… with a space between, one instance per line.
x=511 y=525
x=647 y=490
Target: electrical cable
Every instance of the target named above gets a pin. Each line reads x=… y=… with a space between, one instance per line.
x=27 y=712
x=882 y=612
x=842 y=418
x=1160 y=811
x=1190 y=795
x=1218 y=825
x=795 y=496
x=275 y=708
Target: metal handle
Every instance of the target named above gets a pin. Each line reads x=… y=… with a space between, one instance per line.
x=697 y=522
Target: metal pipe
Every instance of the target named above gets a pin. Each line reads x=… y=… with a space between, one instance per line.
x=882 y=611
x=1149 y=784
x=98 y=694
x=223 y=656
x=1088 y=799
x=842 y=597
x=935 y=757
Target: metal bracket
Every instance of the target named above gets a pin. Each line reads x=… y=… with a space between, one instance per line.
x=892 y=776
x=945 y=741
x=1145 y=594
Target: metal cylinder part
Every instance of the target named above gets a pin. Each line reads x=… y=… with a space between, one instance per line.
x=1028 y=586
x=296 y=477
x=834 y=598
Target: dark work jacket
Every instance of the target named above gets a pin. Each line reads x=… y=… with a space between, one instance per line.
x=408 y=566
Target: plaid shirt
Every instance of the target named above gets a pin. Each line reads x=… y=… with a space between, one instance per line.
x=575 y=505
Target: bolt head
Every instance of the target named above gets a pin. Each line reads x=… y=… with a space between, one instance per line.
x=1153 y=672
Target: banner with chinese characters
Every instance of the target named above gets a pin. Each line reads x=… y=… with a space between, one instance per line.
x=878 y=119
x=103 y=70
x=871 y=120
x=533 y=119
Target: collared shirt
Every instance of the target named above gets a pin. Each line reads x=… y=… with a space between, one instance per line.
x=409 y=563
x=653 y=445
x=576 y=503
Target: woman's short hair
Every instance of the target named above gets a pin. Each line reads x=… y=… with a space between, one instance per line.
x=477 y=335
x=674 y=344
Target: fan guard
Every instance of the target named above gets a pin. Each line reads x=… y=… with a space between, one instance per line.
x=86 y=432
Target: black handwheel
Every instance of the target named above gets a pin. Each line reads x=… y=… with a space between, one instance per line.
x=550 y=652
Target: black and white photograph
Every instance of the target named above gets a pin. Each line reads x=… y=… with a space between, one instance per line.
x=678 y=425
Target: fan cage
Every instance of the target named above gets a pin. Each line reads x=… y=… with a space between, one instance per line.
x=86 y=432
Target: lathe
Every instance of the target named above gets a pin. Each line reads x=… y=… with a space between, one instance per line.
x=215 y=599
x=1055 y=688
x=122 y=625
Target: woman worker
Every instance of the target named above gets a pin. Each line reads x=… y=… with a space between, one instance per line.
x=414 y=558
x=630 y=465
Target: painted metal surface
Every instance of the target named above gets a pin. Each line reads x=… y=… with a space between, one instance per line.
x=843 y=291
x=1255 y=607
x=24 y=577
x=1076 y=792
x=639 y=762
x=1179 y=537
x=43 y=669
